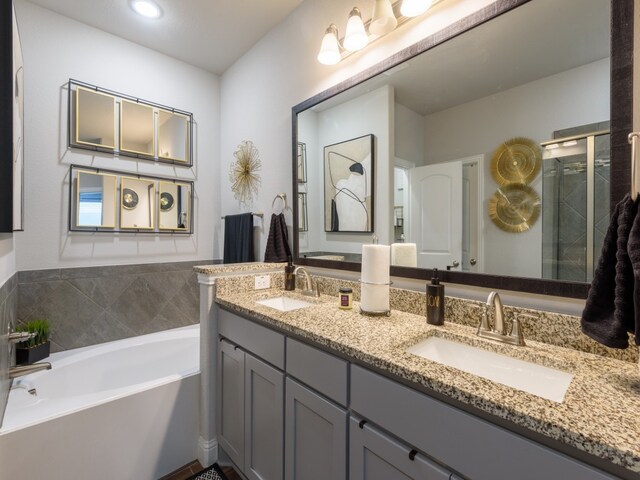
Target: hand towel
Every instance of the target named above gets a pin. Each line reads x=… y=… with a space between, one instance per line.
x=278 y=241
x=609 y=311
x=404 y=254
x=238 y=238
x=633 y=247
x=374 y=289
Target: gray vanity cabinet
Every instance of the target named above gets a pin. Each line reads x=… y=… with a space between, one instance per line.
x=251 y=413
x=315 y=436
x=375 y=455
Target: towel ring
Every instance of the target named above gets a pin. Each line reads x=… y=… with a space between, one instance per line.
x=283 y=197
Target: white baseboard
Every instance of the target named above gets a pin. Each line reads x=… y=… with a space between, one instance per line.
x=207 y=451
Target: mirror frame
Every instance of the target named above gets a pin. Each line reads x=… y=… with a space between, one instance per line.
x=621 y=117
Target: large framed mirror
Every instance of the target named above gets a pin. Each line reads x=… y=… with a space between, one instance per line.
x=137 y=128
x=95 y=118
x=535 y=76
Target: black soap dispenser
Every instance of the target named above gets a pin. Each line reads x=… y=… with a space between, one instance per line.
x=435 y=300
x=289 y=276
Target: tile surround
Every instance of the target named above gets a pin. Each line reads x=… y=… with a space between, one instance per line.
x=92 y=305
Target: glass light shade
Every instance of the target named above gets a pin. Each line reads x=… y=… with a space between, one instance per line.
x=329 y=53
x=383 y=21
x=356 y=37
x=413 y=8
x=146 y=8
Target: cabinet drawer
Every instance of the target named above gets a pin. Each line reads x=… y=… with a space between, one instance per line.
x=320 y=370
x=472 y=446
x=259 y=340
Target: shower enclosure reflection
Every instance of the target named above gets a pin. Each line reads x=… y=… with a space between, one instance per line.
x=575 y=205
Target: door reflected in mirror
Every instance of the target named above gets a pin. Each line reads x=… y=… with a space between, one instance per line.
x=137 y=128
x=173 y=136
x=137 y=203
x=96 y=200
x=95 y=118
x=174 y=206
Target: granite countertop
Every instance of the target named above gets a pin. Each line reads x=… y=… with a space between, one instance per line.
x=234 y=268
x=600 y=414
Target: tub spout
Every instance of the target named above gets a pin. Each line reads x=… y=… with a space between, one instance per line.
x=21 y=370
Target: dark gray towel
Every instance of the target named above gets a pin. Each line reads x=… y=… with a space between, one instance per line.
x=278 y=241
x=238 y=238
x=633 y=248
x=609 y=312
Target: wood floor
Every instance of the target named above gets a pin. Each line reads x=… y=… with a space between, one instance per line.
x=194 y=467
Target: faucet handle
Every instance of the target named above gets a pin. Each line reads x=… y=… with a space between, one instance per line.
x=516 y=332
x=16 y=337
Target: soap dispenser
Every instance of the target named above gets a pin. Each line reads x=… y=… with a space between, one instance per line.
x=289 y=276
x=435 y=300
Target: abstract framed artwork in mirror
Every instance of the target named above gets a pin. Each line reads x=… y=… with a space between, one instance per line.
x=174 y=206
x=173 y=136
x=441 y=110
x=137 y=128
x=137 y=203
x=111 y=122
x=95 y=119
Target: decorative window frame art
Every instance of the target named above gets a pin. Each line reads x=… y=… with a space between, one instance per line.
x=349 y=168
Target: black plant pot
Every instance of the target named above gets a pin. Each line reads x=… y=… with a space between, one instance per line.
x=29 y=355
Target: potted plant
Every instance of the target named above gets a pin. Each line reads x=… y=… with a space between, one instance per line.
x=37 y=347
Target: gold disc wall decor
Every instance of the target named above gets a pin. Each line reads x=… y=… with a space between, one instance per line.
x=516 y=161
x=514 y=207
x=243 y=173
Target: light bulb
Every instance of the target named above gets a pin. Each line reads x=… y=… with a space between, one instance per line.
x=413 y=8
x=146 y=8
x=329 y=53
x=383 y=21
x=355 y=37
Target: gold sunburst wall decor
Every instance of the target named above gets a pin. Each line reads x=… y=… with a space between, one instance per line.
x=243 y=172
x=514 y=207
x=517 y=160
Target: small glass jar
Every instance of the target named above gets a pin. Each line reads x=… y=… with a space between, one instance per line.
x=346 y=298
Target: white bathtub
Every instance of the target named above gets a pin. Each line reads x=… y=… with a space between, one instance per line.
x=124 y=409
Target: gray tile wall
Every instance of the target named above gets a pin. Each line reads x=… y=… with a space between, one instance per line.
x=92 y=305
x=8 y=307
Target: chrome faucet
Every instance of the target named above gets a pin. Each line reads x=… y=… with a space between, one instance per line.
x=308 y=289
x=498 y=332
x=20 y=370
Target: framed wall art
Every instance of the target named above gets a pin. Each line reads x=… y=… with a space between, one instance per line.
x=348 y=185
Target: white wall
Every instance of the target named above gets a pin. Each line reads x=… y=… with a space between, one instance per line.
x=281 y=71
x=409 y=135
x=7 y=257
x=56 y=49
x=533 y=110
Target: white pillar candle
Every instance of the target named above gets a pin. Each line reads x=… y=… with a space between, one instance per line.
x=404 y=254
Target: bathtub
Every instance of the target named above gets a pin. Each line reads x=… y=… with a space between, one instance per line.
x=123 y=409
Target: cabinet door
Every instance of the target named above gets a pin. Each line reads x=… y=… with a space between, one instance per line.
x=315 y=436
x=231 y=401
x=264 y=418
x=376 y=456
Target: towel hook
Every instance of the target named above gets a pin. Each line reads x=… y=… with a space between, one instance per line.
x=283 y=197
x=635 y=171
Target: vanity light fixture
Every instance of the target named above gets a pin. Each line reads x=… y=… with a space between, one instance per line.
x=146 y=8
x=386 y=17
x=413 y=8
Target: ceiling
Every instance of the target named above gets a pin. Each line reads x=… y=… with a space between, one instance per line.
x=210 y=34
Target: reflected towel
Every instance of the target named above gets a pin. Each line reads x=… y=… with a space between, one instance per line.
x=609 y=312
x=278 y=241
x=238 y=238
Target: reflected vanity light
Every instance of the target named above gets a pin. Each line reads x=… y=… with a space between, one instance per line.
x=386 y=17
x=146 y=8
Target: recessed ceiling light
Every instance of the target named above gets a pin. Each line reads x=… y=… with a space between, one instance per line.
x=146 y=8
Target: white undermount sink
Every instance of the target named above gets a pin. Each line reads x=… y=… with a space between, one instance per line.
x=530 y=377
x=284 y=304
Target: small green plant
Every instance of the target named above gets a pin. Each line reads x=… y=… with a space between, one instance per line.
x=38 y=326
